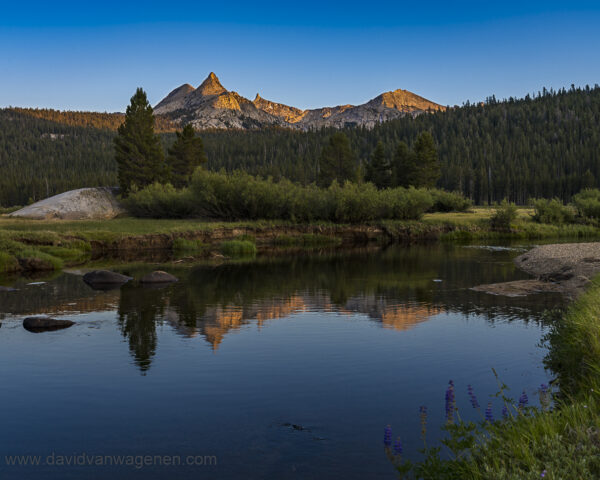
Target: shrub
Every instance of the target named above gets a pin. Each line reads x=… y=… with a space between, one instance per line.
x=504 y=215
x=449 y=201
x=238 y=248
x=241 y=196
x=552 y=211
x=160 y=201
x=587 y=203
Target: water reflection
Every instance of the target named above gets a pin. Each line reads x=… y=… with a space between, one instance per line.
x=394 y=287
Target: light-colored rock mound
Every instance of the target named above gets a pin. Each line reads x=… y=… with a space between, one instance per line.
x=81 y=204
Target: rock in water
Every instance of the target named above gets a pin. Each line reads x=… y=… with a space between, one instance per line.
x=81 y=204
x=45 y=324
x=7 y=289
x=105 y=279
x=158 y=276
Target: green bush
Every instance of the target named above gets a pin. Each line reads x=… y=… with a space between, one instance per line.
x=449 y=201
x=504 y=215
x=160 y=201
x=587 y=203
x=238 y=248
x=239 y=196
x=552 y=211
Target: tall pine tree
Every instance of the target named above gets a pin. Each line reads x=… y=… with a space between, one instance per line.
x=185 y=155
x=337 y=161
x=404 y=167
x=138 y=151
x=426 y=158
x=378 y=170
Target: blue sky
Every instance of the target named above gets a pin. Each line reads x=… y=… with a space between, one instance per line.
x=71 y=55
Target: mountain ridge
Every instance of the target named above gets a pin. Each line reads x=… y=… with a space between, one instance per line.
x=211 y=105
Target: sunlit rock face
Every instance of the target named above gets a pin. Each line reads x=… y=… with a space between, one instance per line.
x=80 y=204
x=212 y=106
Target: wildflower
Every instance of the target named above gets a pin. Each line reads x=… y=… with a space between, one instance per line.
x=504 y=412
x=450 y=402
x=398 y=447
x=472 y=397
x=523 y=400
x=488 y=413
x=543 y=474
x=387 y=436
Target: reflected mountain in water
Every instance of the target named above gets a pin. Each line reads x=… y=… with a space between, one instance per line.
x=394 y=287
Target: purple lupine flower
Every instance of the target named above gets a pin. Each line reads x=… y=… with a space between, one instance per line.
x=504 y=412
x=450 y=402
x=472 y=397
x=489 y=416
x=523 y=400
x=387 y=436
x=398 y=447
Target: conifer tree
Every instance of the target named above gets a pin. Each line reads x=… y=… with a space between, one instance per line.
x=138 y=151
x=185 y=155
x=426 y=158
x=337 y=161
x=404 y=168
x=378 y=170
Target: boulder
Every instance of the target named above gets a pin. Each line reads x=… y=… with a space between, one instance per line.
x=105 y=279
x=80 y=204
x=158 y=276
x=45 y=324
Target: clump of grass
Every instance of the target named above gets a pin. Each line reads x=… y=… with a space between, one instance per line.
x=8 y=263
x=64 y=253
x=52 y=262
x=238 y=248
x=184 y=245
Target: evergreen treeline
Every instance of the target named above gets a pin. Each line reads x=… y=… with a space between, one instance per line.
x=541 y=146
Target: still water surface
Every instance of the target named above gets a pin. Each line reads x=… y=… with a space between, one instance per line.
x=281 y=367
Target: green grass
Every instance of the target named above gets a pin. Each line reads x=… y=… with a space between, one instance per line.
x=8 y=263
x=238 y=248
x=184 y=245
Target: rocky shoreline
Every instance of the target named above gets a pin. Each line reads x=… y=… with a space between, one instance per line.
x=564 y=268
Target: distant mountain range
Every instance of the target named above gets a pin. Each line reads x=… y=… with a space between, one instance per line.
x=213 y=106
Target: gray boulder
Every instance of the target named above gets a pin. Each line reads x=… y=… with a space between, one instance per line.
x=80 y=204
x=158 y=276
x=105 y=279
x=45 y=324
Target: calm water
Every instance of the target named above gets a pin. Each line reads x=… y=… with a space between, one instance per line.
x=224 y=362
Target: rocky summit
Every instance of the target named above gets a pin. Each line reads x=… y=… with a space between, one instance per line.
x=213 y=106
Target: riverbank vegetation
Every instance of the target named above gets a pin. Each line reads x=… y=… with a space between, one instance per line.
x=559 y=440
x=73 y=242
